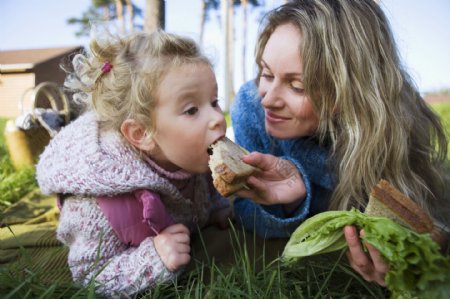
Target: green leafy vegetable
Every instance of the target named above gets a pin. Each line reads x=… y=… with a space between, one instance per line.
x=416 y=266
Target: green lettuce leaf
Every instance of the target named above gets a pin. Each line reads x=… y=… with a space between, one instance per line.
x=417 y=269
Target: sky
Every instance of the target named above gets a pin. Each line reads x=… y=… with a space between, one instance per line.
x=420 y=27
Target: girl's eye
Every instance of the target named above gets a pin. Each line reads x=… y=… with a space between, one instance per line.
x=191 y=111
x=215 y=103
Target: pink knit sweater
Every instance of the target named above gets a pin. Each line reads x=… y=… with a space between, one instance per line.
x=86 y=162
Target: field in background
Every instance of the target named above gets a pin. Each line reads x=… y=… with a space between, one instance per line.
x=319 y=277
x=15 y=184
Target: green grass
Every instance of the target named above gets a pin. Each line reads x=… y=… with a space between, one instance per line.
x=13 y=184
x=228 y=119
x=326 y=276
x=443 y=110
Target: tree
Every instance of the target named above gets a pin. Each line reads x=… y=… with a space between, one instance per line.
x=202 y=21
x=228 y=41
x=154 y=15
x=105 y=11
x=244 y=7
x=244 y=4
x=206 y=6
x=227 y=24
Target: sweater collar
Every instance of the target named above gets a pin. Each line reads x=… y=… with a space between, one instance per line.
x=176 y=175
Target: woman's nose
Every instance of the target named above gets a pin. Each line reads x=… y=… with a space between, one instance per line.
x=271 y=95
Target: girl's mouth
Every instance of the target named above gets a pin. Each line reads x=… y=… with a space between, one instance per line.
x=209 y=150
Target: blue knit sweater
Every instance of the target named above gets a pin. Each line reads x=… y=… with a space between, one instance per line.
x=308 y=156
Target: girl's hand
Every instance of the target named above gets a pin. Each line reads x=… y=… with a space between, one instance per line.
x=277 y=182
x=173 y=246
x=370 y=266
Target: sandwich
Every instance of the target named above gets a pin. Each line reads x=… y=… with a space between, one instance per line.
x=385 y=200
x=397 y=227
x=229 y=172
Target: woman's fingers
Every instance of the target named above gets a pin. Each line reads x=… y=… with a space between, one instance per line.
x=356 y=252
x=380 y=268
x=379 y=265
x=375 y=255
x=258 y=160
x=372 y=267
x=257 y=190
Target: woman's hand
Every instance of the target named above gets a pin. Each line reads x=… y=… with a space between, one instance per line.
x=277 y=182
x=369 y=265
x=173 y=246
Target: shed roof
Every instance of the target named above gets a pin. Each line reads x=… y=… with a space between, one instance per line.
x=33 y=56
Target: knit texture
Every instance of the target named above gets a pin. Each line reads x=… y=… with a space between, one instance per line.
x=83 y=159
x=97 y=253
x=86 y=162
x=306 y=154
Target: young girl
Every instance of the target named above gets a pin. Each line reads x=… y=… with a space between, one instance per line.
x=130 y=172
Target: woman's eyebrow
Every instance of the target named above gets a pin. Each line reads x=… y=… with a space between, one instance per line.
x=290 y=75
x=297 y=76
x=264 y=64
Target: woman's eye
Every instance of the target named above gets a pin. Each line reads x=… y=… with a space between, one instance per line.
x=191 y=111
x=297 y=86
x=266 y=76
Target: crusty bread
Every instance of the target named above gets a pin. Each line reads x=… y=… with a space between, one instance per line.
x=226 y=189
x=387 y=201
x=228 y=171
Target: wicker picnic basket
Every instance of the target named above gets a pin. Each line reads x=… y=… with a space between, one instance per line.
x=25 y=145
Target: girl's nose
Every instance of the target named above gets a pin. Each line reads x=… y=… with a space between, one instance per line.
x=217 y=120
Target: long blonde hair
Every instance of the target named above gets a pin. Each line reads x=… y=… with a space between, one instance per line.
x=137 y=62
x=370 y=112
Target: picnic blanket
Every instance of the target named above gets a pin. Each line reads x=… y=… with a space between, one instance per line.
x=28 y=243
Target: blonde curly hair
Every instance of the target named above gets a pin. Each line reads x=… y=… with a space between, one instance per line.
x=135 y=65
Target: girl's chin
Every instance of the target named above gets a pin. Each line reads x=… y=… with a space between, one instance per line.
x=198 y=169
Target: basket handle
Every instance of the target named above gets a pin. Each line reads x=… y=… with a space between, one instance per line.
x=46 y=87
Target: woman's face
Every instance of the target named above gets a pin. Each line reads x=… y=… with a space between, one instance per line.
x=288 y=111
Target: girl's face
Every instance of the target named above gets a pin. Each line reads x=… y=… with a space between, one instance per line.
x=288 y=111
x=188 y=118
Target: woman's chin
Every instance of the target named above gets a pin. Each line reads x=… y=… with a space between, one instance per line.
x=287 y=131
x=277 y=134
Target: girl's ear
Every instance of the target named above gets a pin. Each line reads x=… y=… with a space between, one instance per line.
x=134 y=133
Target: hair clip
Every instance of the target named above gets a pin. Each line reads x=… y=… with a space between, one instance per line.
x=106 y=67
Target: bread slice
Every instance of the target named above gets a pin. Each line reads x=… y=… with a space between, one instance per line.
x=387 y=201
x=228 y=171
x=226 y=189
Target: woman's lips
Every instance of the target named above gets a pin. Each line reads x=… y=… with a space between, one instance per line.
x=274 y=118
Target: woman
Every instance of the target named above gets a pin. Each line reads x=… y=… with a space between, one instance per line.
x=331 y=112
